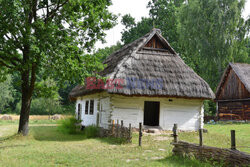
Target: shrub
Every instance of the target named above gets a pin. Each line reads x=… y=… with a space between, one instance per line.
x=91 y=132
x=68 y=125
x=43 y=106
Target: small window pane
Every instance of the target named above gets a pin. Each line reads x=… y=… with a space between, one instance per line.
x=86 y=107
x=91 y=110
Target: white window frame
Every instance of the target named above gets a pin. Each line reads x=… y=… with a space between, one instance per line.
x=88 y=111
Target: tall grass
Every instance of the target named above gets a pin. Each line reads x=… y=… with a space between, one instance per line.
x=72 y=126
x=69 y=125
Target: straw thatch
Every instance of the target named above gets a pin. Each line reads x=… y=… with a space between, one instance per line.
x=242 y=70
x=135 y=62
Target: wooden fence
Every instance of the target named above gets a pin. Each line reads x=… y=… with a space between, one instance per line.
x=117 y=130
x=228 y=157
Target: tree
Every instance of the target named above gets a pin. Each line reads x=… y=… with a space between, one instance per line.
x=212 y=34
x=164 y=14
x=134 y=30
x=103 y=53
x=49 y=37
x=7 y=91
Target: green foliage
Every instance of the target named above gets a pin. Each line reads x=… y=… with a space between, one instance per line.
x=6 y=94
x=164 y=13
x=136 y=30
x=43 y=106
x=207 y=34
x=209 y=107
x=50 y=39
x=91 y=131
x=212 y=33
x=102 y=54
x=47 y=89
x=128 y=21
x=68 y=125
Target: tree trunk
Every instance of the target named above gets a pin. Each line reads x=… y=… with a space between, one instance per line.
x=24 y=115
x=28 y=84
x=26 y=101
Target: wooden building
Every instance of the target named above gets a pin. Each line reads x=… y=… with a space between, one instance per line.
x=157 y=88
x=233 y=93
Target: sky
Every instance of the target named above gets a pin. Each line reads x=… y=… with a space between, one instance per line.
x=137 y=9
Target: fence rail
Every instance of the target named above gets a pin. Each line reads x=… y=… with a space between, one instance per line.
x=228 y=157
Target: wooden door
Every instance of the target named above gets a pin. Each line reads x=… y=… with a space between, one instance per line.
x=151 y=113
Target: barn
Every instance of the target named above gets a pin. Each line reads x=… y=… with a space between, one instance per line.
x=147 y=82
x=233 y=93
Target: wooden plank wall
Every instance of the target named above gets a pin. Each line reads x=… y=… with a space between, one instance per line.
x=237 y=110
x=233 y=88
x=155 y=43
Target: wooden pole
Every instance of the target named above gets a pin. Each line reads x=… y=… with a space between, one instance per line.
x=175 y=134
x=130 y=135
x=140 y=133
x=121 y=130
x=233 y=143
x=113 y=127
x=117 y=128
x=201 y=137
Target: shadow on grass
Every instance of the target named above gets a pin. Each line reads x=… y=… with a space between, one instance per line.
x=112 y=140
x=11 y=146
x=2 y=139
x=51 y=133
x=184 y=161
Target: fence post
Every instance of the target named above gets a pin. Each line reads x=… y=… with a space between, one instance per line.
x=233 y=143
x=201 y=137
x=117 y=128
x=113 y=127
x=121 y=129
x=140 y=133
x=130 y=136
x=175 y=134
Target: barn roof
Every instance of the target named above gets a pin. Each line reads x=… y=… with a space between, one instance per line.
x=136 y=62
x=242 y=70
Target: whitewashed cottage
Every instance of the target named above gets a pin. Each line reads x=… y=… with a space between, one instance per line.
x=151 y=84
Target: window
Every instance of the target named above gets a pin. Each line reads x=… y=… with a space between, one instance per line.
x=91 y=109
x=86 y=107
x=79 y=111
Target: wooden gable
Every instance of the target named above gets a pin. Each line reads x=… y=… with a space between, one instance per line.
x=158 y=44
x=232 y=87
x=155 y=42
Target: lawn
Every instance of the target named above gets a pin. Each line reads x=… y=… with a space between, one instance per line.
x=46 y=146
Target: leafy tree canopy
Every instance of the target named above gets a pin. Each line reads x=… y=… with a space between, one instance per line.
x=7 y=93
x=49 y=37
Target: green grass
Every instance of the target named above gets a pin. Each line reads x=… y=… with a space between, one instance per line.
x=46 y=146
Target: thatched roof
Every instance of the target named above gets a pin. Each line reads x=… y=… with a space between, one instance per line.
x=137 y=62
x=242 y=70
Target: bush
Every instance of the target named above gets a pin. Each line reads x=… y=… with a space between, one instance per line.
x=43 y=106
x=68 y=125
x=91 y=132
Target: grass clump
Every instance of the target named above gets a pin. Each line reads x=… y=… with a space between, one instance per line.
x=69 y=126
x=91 y=131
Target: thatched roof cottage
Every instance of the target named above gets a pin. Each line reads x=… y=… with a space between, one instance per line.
x=233 y=93
x=150 y=83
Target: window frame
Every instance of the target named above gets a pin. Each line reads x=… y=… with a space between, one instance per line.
x=88 y=110
x=91 y=112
